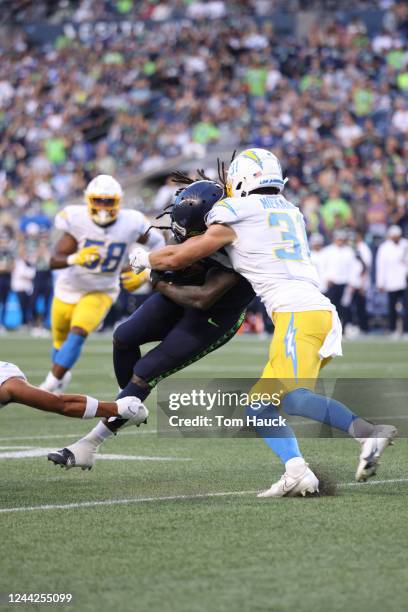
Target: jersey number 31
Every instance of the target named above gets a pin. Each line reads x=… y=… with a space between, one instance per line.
x=293 y=235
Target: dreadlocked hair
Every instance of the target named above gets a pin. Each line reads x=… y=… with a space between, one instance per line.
x=222 y=171
x=182 y=178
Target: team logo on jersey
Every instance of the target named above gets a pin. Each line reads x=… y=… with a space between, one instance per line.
x=290 y=343
x=225 y=204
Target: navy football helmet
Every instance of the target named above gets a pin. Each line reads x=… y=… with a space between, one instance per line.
x=191 y=206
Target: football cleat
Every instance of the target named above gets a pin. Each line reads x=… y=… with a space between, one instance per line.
x=293 y=486
x=372 y=449
x=54 y=385
x=81 y=454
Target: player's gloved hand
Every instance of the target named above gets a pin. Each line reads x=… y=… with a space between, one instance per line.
x=132 y=281
x=139 y=259
x=85 y=256
x=132 y=408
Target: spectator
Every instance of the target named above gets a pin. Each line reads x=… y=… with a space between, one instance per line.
x=334 y=208
x=317 y=254
x=392 y=270
x=22 y=284
x=7 y=254
x=339 y=260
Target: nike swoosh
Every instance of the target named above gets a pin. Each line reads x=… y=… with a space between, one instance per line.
x=211 y=322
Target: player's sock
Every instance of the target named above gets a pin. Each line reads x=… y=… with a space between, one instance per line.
x=360 y=429
x=124 y=359
x=136 y=390
x=305 y=403
x=281 y=438
x=98 y=434
x=71 y=349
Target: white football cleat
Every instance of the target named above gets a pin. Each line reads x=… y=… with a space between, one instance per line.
x=81 y=454
x=55 y=385
x=132 y=409
x=293 y=486
x=372 y=449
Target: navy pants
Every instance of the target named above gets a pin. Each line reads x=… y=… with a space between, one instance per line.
x=185 y=335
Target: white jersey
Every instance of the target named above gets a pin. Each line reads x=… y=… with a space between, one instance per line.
x=271 y=251
x=115 y=240
x=9 y=370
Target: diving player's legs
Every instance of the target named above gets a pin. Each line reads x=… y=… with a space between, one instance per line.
x=71 y=324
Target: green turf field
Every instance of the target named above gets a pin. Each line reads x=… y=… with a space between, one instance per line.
x=180 y=529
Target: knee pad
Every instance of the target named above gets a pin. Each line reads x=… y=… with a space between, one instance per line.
x=293 y=401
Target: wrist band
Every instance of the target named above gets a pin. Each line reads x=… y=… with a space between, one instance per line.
x=71 y=259
x=91 y=407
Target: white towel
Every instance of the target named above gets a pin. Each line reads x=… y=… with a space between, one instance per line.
x=331 y=347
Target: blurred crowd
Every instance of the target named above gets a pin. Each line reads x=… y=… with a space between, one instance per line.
x=331 y=102
x=57 y=11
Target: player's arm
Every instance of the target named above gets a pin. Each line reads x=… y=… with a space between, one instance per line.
x=182 y=255
x=152 y=239
x=66 y=253
x=216 y=284
x=79 y=406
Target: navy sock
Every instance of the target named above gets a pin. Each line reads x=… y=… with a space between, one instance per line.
x=136 y=390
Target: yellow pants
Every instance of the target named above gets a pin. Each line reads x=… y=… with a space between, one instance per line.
x=294 y=359
x=88 y=314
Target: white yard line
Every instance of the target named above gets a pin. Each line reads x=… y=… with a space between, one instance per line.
x=72 y=435
x=41 y=452
x=138 y=500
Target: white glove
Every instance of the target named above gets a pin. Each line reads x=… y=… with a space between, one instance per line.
x=131 y=408
x=139 y=259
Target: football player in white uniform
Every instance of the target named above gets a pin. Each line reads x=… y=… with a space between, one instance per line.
x=265 y=238
x=15 y=388
x=91 y=253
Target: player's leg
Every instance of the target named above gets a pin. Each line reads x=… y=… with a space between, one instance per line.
x=61 y=315
x=191 y=338
x=85 y=317
x=151 y=322
x=300 y=336
x=297 y=479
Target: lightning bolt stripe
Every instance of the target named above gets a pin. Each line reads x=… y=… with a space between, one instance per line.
x=290 y=343
x=252 y=155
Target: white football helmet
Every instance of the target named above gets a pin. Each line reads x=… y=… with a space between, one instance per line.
x=252 y=169
x=103 y=196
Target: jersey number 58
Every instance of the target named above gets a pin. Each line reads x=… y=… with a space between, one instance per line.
x=113 y=257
